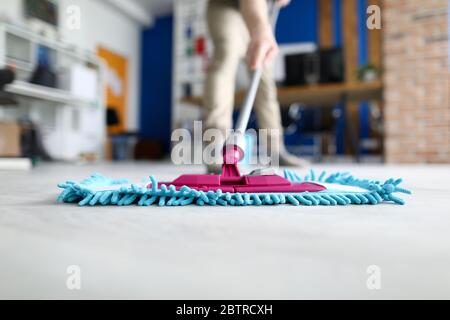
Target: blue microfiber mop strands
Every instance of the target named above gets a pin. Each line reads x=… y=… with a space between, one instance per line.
x=100 y=190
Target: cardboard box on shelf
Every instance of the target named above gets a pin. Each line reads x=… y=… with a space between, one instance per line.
x=9 y=139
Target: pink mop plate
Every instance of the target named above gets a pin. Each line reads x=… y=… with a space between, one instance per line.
x=242 y=184
x=232 y=181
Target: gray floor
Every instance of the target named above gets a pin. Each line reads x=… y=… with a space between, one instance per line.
x=282 y=252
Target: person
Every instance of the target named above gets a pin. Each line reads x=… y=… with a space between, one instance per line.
x=238 y=29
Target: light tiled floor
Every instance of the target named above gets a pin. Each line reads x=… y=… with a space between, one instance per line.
x=282 y=252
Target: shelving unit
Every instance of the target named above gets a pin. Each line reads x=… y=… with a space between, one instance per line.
x=188 y=67
x=64 y=118
x=53 y=95
x=315 y=95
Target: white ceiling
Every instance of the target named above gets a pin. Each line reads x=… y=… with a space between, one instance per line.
x=157 y=7
x=142 y=11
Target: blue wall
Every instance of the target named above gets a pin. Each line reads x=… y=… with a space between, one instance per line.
x=338 y=39
x=363 y=59
x=298 y=22
x=156 y=81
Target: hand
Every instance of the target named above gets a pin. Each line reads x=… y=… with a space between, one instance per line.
x=263 y=47
x=283 y=3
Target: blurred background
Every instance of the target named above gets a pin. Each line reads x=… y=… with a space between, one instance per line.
x=93 y=80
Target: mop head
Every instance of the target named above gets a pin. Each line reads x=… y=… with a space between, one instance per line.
x=340 y=189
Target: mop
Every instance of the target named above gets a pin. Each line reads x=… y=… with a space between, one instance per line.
x=260 y=187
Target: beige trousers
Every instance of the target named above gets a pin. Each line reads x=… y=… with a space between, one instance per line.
x=231 y=38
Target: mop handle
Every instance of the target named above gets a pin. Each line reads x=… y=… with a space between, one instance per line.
x=249 y=100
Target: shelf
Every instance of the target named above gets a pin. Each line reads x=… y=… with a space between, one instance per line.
x=54 y=44
x=30 y=90
x=71 y=123
x=315 y=95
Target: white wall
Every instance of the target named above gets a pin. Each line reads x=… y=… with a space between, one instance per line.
x=102 y=25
